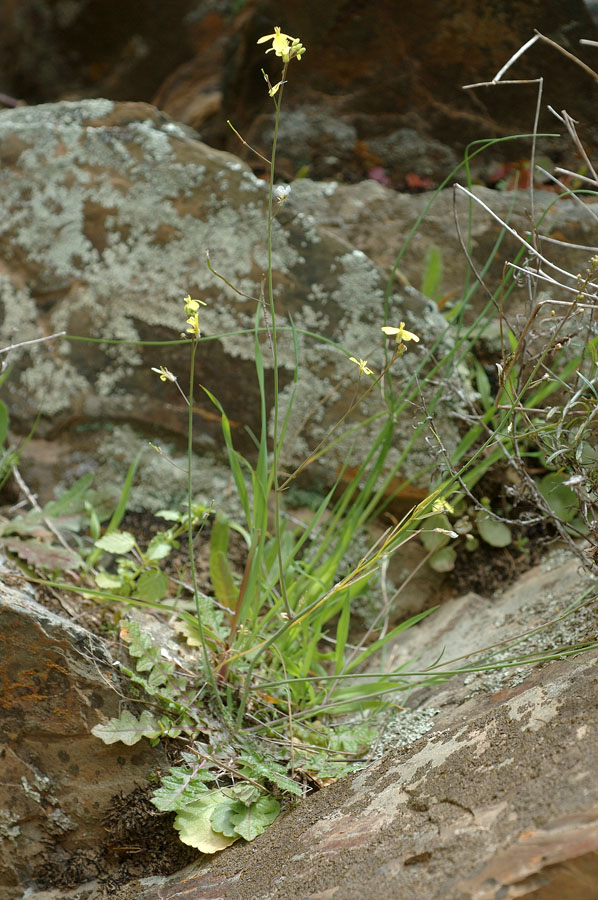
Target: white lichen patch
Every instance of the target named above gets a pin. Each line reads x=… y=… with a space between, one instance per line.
x=9 y=828
x=161 y=478
x=55 y=386
x=19 y=313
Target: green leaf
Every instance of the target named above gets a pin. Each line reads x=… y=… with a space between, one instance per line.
x=224 y=817
x=127 y=729
x=158 y=548
x=190 y=631
x=43 y=555
x=432 y=273
x=562 y=500
x=94 y=521
x=433 y=540
x=151 y=586
x=169 y=514
x=108 y=582
x=141 y=646
x=72 y=501
x=253 y=820
x=221 y=575
x=245 y=792
x=495 y=533
x=3 y=423
x=118 y=542
x=483 y=386
x=259 y=768
x=443 y=560
x=160 y=674
x=194 y=824
x=182 y=787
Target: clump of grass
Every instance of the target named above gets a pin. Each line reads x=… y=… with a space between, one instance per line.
x=277 y=692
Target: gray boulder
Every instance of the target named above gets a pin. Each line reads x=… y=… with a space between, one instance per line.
x=107 y=213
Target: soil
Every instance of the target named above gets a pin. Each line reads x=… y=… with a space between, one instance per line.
x=490 y=568
x=140 y=842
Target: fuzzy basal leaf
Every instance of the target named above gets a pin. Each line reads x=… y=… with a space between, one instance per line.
x=116 y=542
x=194 y=824
x=249 y=821
x=43 y=555
x=179 y=789
x=128 y=729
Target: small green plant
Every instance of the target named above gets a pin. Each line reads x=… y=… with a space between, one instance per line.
x=271 y=683
x=48 y=538
x=280 y=688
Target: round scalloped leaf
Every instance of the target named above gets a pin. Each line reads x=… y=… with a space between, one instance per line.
x=495 y=533
x=194 y=824
x=443 y=560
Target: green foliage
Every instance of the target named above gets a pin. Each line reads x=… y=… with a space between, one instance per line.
x=218 y=818
x=279 y=685
x=8 y=457
x=493 y=531
x=127 y=729
x=433 y=272
x=562 y=499
x=48 y=538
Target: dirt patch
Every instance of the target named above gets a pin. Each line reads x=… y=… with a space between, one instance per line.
x=140 y=842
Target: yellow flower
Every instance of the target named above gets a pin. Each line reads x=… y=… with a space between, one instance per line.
x=442 y=506
x=283 y=45
x=280 y=41
x=363 y=367
x=193 y=323
x=401 y=333
x=164 y=373
x=191 y=306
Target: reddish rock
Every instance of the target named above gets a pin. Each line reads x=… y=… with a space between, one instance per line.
x=369 y=75
x=51 y=50
x=58 y=781
x=375 y=90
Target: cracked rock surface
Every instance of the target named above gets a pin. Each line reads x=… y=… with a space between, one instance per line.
x=57 y=779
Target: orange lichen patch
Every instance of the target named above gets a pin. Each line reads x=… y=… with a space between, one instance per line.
x=58 y=667
x=24 y=689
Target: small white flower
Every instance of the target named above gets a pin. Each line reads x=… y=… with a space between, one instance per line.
x=281 y=192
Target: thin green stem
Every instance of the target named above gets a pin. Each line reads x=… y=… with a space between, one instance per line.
x=196 y=595
x=276 y=444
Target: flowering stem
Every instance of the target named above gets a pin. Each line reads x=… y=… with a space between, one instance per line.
x=276 y=447
x=204 y=645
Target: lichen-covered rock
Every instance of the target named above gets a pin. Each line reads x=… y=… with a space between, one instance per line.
x=379 y=221
x=57 y=681
x=107 y=213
